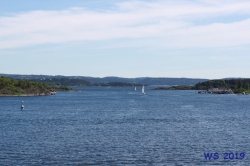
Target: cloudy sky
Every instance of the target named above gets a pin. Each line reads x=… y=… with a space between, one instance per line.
x=126 y=38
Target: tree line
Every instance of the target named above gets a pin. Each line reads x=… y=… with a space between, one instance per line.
x=81 y=82
x=237 y=85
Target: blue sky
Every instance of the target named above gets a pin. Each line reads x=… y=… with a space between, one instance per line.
x=160 y=38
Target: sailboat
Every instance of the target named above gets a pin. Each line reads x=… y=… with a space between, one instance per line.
x=143 y=91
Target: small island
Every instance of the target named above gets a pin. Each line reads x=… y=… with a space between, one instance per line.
x=12 y=87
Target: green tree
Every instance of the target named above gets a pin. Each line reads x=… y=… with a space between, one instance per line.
x=239 y=84
x=247 y=86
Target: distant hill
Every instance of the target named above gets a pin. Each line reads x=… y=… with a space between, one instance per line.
x=63 y=81
x=168 y=81
x=116 y=84
x=83 y=80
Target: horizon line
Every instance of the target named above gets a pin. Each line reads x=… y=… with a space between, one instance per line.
x=124 y=77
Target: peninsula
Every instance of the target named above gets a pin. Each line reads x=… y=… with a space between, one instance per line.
x=12 y=87
x=220 y=86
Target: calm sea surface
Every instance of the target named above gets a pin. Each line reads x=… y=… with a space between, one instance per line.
x=120 y=126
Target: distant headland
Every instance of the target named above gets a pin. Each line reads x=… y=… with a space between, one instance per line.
x=220 y=86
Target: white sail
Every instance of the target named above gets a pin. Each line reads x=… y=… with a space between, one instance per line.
x=143 y=92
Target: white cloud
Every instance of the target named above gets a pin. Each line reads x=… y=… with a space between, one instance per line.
x=172 y=22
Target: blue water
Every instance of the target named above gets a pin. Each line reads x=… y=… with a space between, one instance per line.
x=120 y=126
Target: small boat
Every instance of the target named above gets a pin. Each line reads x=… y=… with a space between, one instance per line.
x=143 y=91
x=135 y=87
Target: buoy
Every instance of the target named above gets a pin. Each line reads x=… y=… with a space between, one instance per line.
x=22 y=106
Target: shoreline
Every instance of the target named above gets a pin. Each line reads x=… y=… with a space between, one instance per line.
x=23 y=95
x=37 y=94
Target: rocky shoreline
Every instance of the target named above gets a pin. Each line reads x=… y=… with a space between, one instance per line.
x=24 y=95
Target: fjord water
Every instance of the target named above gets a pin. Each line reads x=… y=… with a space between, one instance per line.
x=120 y=126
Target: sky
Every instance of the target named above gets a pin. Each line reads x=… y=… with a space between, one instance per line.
x=126 y=38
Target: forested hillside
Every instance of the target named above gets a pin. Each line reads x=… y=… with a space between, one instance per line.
x=237 y=85
x=63 y=81
x=9 y=86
